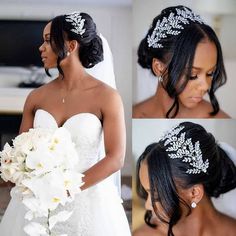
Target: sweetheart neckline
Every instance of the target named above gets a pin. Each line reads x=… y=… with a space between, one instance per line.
x=71 y=117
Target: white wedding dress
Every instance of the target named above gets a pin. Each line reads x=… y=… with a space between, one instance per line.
x=98 y=210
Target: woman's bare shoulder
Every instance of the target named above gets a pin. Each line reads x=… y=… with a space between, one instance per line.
x=146 y=230
x=222 y=115
x=36 y=95
x=43 y=89
x=227 y=225
x=104 y=97
x=206 y=106
x=146 y=109
x=139 y=110
x=99 y=87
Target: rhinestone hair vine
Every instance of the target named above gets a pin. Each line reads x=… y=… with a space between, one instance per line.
x=77 y=22
x=171 y=25
x=182 y=148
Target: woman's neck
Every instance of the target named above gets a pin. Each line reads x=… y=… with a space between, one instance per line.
x=73 y=75
x=164 y=102
x=201 y=221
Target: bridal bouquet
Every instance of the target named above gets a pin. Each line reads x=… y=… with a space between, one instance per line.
x=42 y=164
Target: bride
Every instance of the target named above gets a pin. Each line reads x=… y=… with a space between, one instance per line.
x=178 y=176
x=93 y=113
x=185 y=55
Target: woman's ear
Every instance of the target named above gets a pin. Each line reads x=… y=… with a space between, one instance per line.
x=72 y=46
x=158 y=67
x=196 y=193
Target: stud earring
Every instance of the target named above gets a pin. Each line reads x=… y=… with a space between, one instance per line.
x=160 y=79
x=68 y=54
x=193 y=204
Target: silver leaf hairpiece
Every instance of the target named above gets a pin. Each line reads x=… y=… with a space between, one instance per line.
x=171 y=25
x=184 y=149
x=77 y=22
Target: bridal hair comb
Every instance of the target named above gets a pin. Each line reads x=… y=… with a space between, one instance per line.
x=77 y=22
x=171 y=25
x=180 y=147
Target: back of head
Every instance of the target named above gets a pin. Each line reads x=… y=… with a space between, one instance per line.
x=185 y=156
x=80 y=27
x=172 y=39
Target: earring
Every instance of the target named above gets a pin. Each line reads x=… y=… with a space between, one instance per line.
x=160 y=79
x=68 y=54
x=193 y=204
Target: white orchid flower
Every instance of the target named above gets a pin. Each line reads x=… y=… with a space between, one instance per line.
x=36 y=209
x=40 y=161
x=49 y=189
x=35 y=229
x=63 y=148
x=60 y=217
x=73 y=182
x=8 y=171
x=43 y=163
x=6 y=154
x=23 y=143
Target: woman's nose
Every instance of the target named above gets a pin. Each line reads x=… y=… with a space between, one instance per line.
x=41 y=47
x=204 y=84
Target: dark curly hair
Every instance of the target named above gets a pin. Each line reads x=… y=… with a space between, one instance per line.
x=177 y=54
x=90 y=44
x=164 y=171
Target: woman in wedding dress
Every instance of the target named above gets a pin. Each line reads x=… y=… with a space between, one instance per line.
x=185 y=55
x=93 y=113
x=177 y=176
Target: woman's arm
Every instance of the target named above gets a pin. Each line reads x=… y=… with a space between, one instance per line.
x=28 y=113
x=114 y=139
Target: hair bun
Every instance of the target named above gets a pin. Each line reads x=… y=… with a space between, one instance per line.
x=92 y=52
x=144 y=57
x=227 y=178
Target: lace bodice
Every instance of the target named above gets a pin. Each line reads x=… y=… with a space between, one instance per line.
x=86 y=133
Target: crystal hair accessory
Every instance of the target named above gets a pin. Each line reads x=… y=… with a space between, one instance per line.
x=171 y=25
x=180 y=147
x=77 y=22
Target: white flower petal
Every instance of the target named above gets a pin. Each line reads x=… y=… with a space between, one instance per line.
x=37 y=209
x=35 y=229
x=60 y=217
x=29 y=215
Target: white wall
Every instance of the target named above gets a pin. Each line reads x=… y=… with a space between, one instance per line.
x=113 y=21
x=143 y=14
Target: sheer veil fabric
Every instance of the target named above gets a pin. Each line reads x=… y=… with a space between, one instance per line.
x=104 y=71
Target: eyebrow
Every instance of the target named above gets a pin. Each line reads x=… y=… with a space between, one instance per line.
x=198 y=68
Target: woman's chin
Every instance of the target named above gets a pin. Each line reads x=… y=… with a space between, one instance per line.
x=190 y=105
x=47 y=67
